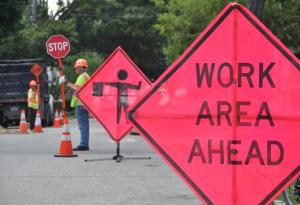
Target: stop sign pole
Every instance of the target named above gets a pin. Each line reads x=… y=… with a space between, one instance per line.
x=62 y=87
x=58 y=47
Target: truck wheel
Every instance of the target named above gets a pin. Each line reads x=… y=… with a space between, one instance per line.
x=5 y=124
x=48 y=120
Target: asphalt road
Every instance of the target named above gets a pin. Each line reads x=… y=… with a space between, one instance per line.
x=30 y=175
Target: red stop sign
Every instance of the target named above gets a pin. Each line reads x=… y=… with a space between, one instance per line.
x=225 y=115
x=58 y=46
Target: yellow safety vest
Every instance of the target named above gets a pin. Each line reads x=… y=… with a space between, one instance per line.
x=32 y=99
x=79 y=82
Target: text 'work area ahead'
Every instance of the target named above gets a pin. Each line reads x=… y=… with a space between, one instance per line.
x=225 y=115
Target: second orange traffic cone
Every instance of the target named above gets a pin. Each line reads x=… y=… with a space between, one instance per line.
x=56 y=122
x=38 y=122
x=66 y=149
x=23 y=124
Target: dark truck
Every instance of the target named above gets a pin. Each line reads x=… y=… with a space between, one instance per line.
x=14 y=84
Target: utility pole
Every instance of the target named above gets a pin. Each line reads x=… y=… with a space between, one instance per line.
x=33 y=12
x=257 y=7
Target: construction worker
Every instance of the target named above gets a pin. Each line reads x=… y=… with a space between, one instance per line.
x=32 y=102
x=82 y=114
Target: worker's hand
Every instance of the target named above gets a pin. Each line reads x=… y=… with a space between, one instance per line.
x=62 y=79
x=71 y=85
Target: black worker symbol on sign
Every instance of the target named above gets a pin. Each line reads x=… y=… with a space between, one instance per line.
x=122 y=99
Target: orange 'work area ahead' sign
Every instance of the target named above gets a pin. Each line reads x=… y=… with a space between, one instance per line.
x=225 y=115
x=109 y=92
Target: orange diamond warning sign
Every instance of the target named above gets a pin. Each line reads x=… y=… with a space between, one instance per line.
x=111 y=90
x=225 y=115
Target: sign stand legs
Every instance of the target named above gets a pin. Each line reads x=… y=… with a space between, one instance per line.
x=118 y=157
x=286 y=197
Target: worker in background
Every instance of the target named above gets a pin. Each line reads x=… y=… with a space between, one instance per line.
x=82 y=114
x=32 y=102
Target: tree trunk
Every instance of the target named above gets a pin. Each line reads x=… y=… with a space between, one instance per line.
x=257 y=7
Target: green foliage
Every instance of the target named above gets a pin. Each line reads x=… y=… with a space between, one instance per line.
x=291 y=195
x=11 y=15
x=29 y=41
x=282 y=17
x=104 y=25
x=148 y=30
x=180 y=22
x=97 y=26
x=93 y=58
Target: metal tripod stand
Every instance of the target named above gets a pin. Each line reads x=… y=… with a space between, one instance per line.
x=118 y=157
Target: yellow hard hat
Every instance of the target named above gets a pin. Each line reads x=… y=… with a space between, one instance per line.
x=81 y=63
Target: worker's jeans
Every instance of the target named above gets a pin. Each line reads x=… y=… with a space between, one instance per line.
x=83 y=124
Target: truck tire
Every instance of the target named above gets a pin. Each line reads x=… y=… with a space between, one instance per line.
x=48 y=120
x=5 y=123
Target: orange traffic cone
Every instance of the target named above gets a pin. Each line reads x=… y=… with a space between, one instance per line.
x=38 y=122
x=61 y=117
x=23 y=124
x=66 y=149
x=56 y=122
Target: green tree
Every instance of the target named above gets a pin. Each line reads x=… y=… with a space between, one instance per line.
x=29 y=40
x=180 y=22
x=94 y=26
x=93 y=58
x=282 y=17
x=11 y=15
x=103 y=25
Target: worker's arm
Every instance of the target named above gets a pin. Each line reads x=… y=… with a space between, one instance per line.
x=63 y=79
x=72 y=86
